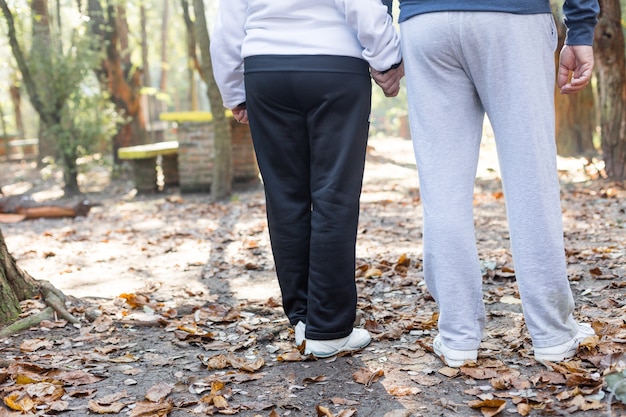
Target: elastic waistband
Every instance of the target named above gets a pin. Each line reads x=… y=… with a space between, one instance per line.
x=306 y=63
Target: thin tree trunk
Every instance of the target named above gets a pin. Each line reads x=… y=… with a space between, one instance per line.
x=16 y=99
x=194 y=63
x=117 y=75
x=221 y=185
x=144 y=46
x=610 y=71
x=41 y=47
x=164 y=37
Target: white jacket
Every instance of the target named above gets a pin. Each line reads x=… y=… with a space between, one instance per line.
x=355 y=28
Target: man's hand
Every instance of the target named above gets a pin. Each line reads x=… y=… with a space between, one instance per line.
x=389 y=81
x=575 y=68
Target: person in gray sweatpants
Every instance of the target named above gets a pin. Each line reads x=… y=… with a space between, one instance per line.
x=465 y=59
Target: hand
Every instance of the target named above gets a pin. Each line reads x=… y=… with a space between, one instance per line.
x=575 y=68
x=389 y=81
x=240 y=114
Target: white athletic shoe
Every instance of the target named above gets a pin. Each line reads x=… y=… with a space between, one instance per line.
x=454 y=358
x=357 y=340
x=565 y=350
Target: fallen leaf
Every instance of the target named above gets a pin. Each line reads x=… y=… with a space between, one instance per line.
x=32 y=345
x=112 y=408
x=149 y=409
x=488 y=408
x=403 y=391
x=159 y=392
x=367 y=377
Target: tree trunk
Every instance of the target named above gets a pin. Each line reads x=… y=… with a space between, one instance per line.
x=15 y=285
x=164 y=37
x=117 y=75
x=575 y=115
x=16 y=99
x=144 y=47
x=611 y=74
x=221 y=185
x=41 y=47
x=194 y=63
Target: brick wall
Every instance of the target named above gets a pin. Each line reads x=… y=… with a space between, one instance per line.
x=195 y=155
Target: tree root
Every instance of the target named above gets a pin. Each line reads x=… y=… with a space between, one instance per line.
x=54 y=298
x=26 y=323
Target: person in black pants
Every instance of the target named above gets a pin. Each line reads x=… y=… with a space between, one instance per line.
x=307 y=98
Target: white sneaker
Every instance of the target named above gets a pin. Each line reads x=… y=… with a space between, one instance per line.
x=565 y=350
x=454 y=358
x=358 y=339
x=299 y=330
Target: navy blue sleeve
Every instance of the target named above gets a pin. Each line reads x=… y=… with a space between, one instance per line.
x=581 y=17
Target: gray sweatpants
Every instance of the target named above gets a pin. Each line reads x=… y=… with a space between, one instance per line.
x=458 y=66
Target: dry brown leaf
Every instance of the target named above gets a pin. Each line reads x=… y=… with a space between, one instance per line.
x=374 y=327
x=135 y=300
x=403 y=391
x=292 y=356
x=19 y=401
x=426 y=380
x=112 y=408
x=347 y=413
x=44 y=392
x=323 y=411
x=32 y=345
x=149 y=409
x=372 y=273
x=246 y=365
x=553 y=378
x=218 y=313
x=524 y=409
x=79 y=377
x=479 y=373
x=449 y=372
x=58 y=406
x=47 y=324
x=581 y=403
x=312 y=380
x=220 y=402
x=111 y=398
x=274 y=413
x=404 y=260
x=158 y=392
x=127 y=358
x=500 y=383
x=102 y=324
x=366 y=377
x=343 y=401
x=488 y=408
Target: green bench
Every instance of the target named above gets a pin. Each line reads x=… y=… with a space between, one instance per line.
x=145 y=161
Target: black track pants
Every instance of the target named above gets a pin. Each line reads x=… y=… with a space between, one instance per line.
x=310 y=133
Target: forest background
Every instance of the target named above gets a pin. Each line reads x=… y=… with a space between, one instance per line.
x=88 y=77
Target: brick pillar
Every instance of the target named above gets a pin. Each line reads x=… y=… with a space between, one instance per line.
x=195 y=155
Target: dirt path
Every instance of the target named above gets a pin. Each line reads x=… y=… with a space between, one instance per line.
x=171 y=281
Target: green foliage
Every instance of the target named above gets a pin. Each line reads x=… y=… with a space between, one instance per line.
x=84 y=116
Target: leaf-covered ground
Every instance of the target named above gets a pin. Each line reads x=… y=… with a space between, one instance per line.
x=180 y=310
